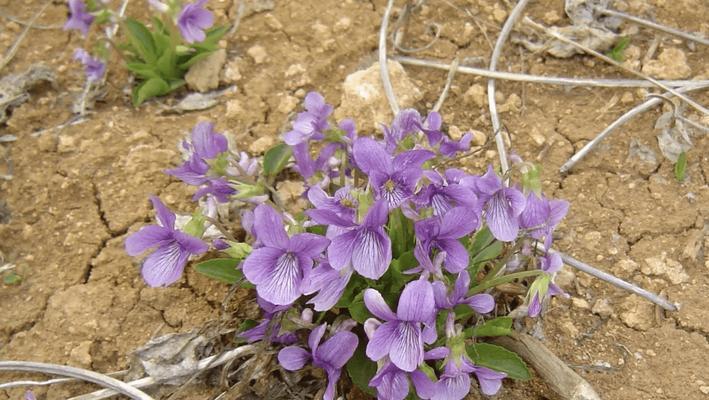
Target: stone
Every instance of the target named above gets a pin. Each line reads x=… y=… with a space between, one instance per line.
x=67 y=144
x=627 y=98
x=476 y=94
x=204 y=74
x=291 y=194
x=602 y=308
x=342 y=25
x=80 y=355
x=261 y=144
x=296 y=77
x=499 y=14
x=580 y=303
x=257 y=53
x=454 y=132
x=551 y=17
x=513 y=104
x=670 y=64
x=234 y=108
x=693 y=246
x=637 y=313
x=479 y=138
x=232 y=74
x=287 y=104
x=364 y=100
x=665 y=267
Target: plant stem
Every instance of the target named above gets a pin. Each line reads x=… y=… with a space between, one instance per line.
x=502 y=279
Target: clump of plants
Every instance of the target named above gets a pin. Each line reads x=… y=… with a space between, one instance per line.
x=397 y=270
x=158 y=54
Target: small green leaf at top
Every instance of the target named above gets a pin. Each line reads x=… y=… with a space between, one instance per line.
x=221 y=269
x=617 y=53
x=499 y=359
x=141 y=40
x=151 y=88
x=358 y=311
x=11 y=278
x=361 y=369
x=276 y=159
x=501 y=326
x=681 y=167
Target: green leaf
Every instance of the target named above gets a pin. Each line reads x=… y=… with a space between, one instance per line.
x=489 y=253
x=499 y=359
x=482 y=239
x=358 y=311
x=681 y=167
x=238 y=250
x=501 y=326
x=195 y=226
x=400 y=232
x=142 y=70
x=221 y=269
x=194 y=60
x=531 y=179
x=276 y=159
x=361 y=369
x=618 y=51
x=151 y=88
x=141 y=40
x=352 y=289
x=11 y=278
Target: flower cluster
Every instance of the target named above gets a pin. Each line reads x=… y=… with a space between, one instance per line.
x=387 y=229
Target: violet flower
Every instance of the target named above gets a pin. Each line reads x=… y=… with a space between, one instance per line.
x=390 y=382
x=311 y=123
x=543 y=286
x=331 y=355
x=78 y=17
x=450 y=147
x=401 y=336
x=454 y=383
x=541 y=216
x=278 y=268
x=443 y=233
x=172 y=247
x=94 y=68
x=482 y=303
x=305 y=165
x=406 y=122
x=205 y=144
x=502 y=205
x=342 y=202
x=365 y=247
x=193 y=20
x=391 y=179
x=217 y=187
x=329 y=283
x=445 y=192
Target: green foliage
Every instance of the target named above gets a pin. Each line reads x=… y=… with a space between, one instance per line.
x=195 y=226
x=617 y=53
x=221 y=269
x=11 y=278
x=358 y=311
x=276 y=159
x=237 y=250
x=499 y=359
x=501 y=326
x=401 y=232
x=681 y=167
x=361 y=369
x=158 y=59
x=531 y=179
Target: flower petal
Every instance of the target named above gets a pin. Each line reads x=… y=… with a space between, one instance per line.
x=501 y=219
x=191 y=244
x=337 y=350
x=327 y=217
x=164 y=266
x=207 y=143
x=440 y=295
x=330 y=293
x=381 y=342
x=490 y=381
x=482 y=303
x=416 y=303
x=377 y=306
x=339 y=253
x=333 y=375
x=259 y=265
x=164 y=215
x=425 y=387
x=309 y=244
x=293 y=358
x=315 y=337
x=453 y=387
x=370 y=156
x=377 y=215
x=456 y=255
x=147 y=237
x=412 y=159
x=283 y=285
x=268 y=225
x=407 y=346
x=458 y=222
x=371 y=253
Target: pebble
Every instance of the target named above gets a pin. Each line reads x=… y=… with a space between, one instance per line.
x=670 y=64
x=67 y=144
x=476 y=95
x=257 y=53
x=565 y=278
x=551 y=17
x=479 y=138
x=704 y=389
x=602 y=308
x=233 y=108
x=261 y=144
x=666 y=267
x=287 y=104
x=637 y=313
x=343 y=24
x=204 y=74
x=232 y=74
x=580 y=303
x=627 y=98
x=499 y=14
x=273 y=22
x=454 y=132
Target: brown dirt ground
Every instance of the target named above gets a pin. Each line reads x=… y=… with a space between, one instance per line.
x=76 y=193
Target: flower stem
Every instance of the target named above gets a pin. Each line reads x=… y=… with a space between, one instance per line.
x=502 y=279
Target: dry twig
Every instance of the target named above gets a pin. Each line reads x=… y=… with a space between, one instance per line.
x=446 y=88
x=383 y=67
x=13 y=50
x=656 y=26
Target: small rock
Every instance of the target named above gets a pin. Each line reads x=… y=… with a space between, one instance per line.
x=287 y=104
x=291 y=194
x=591 y=239
x=627 y=98
x=499 y=14
x=637 y=313
x=551 y=17
x=233 y=108
x=704 y=389
x=538 y=138
x=203 y=76
x=670 y=64
x=565 y=278
x=363 y=97
x=343 y=24
x=663 y=266
x=80 y=355
x=273 y=22
x=642 y=158
x=47 y=143
x=513 y=103
x=479 y=138
x=67 y=144
x=231 y=71
x=257 y=53
x=694 y=245
x=261 y=144
x=569 y=329
x=476 y=94
x=627 y=265
x=454 y=132
x=297 y=76
x=580 y=303
x=602 y=308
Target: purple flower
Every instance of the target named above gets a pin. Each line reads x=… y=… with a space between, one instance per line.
x=329 y=283
x=259 y=331
x=29 y=395
x=482 y=303
x=342 y=203
x=365 y=247
x=443 y=233
x=217 y=187
x=193 y=20
x=401 y=336
x=311 y=123
x=391 y=383
x=205 y=145
x=445 y=192
x=93 y=67
x=391 y=179
x=405 y=123
x=541 y=216
x=278 y=268
x=449 y=147
x=331 y=355
x=172 y=247
x=305 y=165
x=78 y=17
x=454 y=383
x=543 y=286
x=502 y=205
